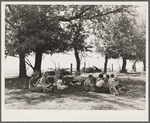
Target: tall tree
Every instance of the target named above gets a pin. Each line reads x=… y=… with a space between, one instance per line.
x=93 y=14
x=123 y=36
x=139 y=43
x=34 y=30
x=118 y=35
x=39 y=28
x=77 y=41
x=128 y=39
x=13 y=37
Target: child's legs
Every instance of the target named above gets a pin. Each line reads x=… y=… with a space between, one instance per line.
x=87 y=88
x=63 y=87
x=116 y=92
x=37 y=89
x=47 y=89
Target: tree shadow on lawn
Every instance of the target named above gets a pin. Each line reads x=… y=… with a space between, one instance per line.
x=37 y=97
x=17 y=90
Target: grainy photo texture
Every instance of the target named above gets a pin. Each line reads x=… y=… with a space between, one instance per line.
x=75 y=56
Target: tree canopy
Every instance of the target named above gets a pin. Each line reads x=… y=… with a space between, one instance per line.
x=59 y=28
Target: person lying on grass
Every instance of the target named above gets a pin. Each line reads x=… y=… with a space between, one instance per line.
x=60 y=84
x=89 y=84
x=112 y=83
x=77 y=79
x=33 y=87
x=43 y=81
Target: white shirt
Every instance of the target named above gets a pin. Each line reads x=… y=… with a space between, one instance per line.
x=99 y=83
x=112 y=82
x=88 y=82
x=59 y=83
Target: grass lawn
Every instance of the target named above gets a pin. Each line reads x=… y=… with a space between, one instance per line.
x=17 y=96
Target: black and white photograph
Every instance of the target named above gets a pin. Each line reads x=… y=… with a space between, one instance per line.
x=74 y=61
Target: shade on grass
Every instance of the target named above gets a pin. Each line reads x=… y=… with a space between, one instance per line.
x=17 y=96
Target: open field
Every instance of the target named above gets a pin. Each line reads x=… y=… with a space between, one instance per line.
x=17 y=96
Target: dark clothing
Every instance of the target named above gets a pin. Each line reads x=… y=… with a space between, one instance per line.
x=101 y=89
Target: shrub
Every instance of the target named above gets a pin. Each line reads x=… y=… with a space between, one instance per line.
x=88 y=70
x=52 y=73
x=64 y=72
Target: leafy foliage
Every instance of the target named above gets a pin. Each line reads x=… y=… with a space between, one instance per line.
x=59 y=28
x=121 y=36
x=34 y=28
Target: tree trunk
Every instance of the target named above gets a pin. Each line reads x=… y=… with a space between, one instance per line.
x=134 y=66
x=144 y=64
x=38 y=61
x=77 y=59
x=124 y=66
x=22 y=66
x=105 y=64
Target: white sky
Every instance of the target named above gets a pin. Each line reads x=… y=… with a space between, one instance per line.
x=12 y=64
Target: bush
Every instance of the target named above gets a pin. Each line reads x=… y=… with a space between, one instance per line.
x=88 y=70
x=91 y=70
x=64 y=72
x=61 y=71
x=51 y=73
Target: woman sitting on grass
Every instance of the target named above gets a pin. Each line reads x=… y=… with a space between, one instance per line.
x=60 y=84
x=33 y=87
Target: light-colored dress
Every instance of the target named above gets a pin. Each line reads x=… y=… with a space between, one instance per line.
x=112 y=83
x=60 y=85
x=43 y=81
x=33 y=87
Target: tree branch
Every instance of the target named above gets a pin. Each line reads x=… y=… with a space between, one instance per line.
x=74 y=17
x=10 y=23
x=54 y=64
x=9 y=8
x=25 y=62
x=29 y=63
x=107 y=13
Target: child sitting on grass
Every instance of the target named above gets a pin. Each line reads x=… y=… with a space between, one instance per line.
x=77 y=79
x=43 y=81
x=105 y=84
x=89 y=84
x=33 y=87
x=112 y=83
x=60 y=84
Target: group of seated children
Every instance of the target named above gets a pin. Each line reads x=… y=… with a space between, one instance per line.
x=37 y=84
x=103 y=84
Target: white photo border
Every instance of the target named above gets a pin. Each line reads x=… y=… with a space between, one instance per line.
x=72 y=115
